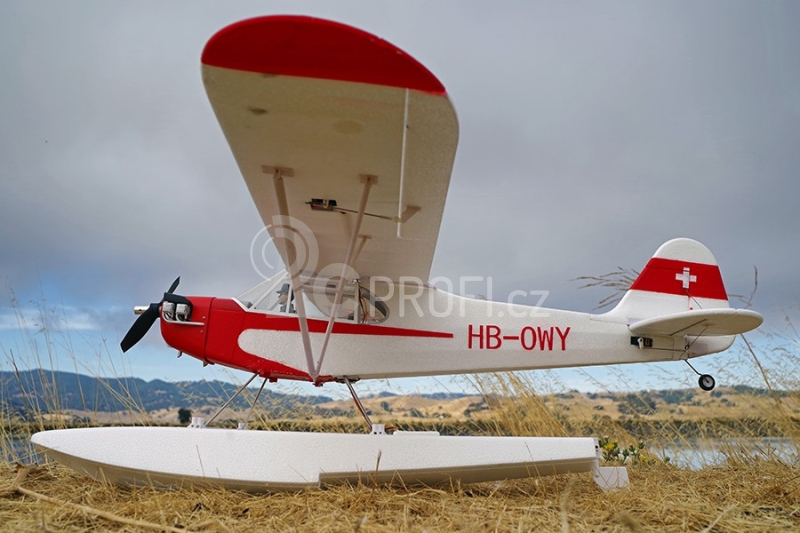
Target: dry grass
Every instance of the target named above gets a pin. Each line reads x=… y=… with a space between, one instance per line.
x=751 y=491
x=753 y=496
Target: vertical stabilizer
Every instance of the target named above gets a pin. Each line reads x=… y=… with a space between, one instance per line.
x=682 y=276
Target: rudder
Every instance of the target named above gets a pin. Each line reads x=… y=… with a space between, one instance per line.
x=681 y=276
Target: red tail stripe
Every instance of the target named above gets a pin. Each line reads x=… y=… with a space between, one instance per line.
x=670 y=276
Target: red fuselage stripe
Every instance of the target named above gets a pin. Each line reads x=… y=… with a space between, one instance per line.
x=671 y=276
x=224 y=321
x=274 y=323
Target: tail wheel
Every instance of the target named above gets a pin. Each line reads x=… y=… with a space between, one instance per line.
x=707 y=382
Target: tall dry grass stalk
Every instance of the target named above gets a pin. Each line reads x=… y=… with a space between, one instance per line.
x=517 y=406
x=41 y=348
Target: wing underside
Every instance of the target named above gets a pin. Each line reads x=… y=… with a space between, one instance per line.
x=327 y=129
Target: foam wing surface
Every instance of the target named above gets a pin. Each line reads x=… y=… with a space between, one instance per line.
x=333 y=103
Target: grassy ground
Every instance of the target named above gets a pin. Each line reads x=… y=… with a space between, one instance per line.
x=751 y=495
x=752 y=490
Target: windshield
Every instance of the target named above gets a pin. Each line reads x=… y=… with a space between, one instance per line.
x=275 y=295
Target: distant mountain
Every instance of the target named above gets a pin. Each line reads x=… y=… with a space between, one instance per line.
x=43 y=391
x=445 y=395
x=428 y=395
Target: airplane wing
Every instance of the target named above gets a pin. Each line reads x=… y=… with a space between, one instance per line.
x=710 y=322
x=331 y=104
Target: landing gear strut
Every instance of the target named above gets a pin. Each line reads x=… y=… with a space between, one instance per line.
x=706 y=381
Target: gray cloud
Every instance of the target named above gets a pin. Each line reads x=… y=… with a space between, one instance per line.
x=590 y=134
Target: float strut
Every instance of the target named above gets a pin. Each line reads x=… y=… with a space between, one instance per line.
x=238 y=392
x=358 y=404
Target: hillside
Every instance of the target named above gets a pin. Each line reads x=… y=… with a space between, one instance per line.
x=28 y=394
x=656 y=405
x=42 y=391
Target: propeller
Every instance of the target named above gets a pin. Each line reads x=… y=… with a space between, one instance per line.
x=146 y=320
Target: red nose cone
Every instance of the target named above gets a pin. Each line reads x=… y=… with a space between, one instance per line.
x=189 y=337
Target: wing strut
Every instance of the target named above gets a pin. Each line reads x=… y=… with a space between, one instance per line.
x=348 y=259
x=290 y=257
x=362 y=242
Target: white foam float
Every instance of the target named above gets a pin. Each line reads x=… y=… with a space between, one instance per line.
x=260 y=461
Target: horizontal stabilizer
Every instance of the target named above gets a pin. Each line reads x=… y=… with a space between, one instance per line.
x=711 y=322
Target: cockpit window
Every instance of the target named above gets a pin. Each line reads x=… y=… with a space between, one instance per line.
x=372 y=310
x=321 y=296
x=264 y=296
x=275 y=295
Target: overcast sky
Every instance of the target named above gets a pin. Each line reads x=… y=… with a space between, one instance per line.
x=590 y=133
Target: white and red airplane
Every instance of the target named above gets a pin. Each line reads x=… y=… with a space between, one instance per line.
x=346 y=144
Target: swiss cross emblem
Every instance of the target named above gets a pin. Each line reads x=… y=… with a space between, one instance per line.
x=686 y=278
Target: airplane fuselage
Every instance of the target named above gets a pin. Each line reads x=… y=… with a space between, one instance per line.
x=449 y=334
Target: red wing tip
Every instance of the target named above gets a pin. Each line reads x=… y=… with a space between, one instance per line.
x=303 y=46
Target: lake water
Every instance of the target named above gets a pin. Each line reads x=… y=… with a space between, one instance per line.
x=696 y=454
x=20 y=450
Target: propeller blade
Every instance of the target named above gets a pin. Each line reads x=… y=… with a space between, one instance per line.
x=174 y=285
x=146 y=320
x=140 y=327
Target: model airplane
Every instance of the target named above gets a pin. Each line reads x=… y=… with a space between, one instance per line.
x=346 y=144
